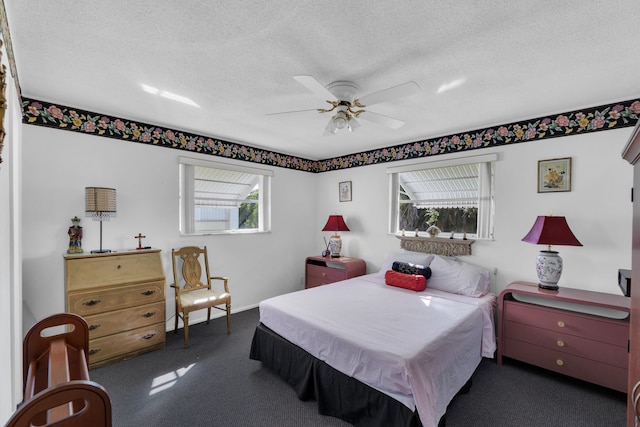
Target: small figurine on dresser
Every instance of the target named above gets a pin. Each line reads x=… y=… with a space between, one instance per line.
x=75 y=237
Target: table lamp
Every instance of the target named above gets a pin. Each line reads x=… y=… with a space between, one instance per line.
x=100 y=204
x=550 y=230
x=335 y=223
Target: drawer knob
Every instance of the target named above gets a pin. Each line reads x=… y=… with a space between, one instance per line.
x=560 y=324
x=559 y=362
x=94 y=351
x=119 y=267
x=560 y=343
x=94 y=327
x=91 y=303
x=150 y=314
x=148 y=336
x=147 y=293
x=324 y=274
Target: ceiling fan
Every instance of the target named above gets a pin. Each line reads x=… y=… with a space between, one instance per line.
x=343 y=100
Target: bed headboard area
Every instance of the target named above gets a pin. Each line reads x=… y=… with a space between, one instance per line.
x=436 y=245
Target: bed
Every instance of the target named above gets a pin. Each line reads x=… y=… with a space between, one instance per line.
x=378 y=355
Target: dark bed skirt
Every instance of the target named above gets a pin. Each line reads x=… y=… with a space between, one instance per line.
x=337 y=394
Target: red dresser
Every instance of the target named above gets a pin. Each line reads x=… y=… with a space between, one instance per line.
x=548 y=329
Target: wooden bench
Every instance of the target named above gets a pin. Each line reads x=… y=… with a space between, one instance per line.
x=57 y=389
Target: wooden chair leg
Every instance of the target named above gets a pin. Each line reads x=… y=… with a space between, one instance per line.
x=208 y=315
x=228 y=318
x=186 y=330
x=175 y=328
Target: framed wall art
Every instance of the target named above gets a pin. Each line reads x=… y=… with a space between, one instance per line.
x=554 y=175
x=344 y=189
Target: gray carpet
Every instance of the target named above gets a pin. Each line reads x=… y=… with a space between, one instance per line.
x=214 y=383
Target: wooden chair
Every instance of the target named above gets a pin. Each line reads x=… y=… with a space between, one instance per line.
x=193 y=290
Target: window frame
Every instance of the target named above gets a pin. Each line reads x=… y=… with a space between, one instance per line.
x=486 y=191
x=187 y=196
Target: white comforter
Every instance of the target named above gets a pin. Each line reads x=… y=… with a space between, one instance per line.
x=419 y=347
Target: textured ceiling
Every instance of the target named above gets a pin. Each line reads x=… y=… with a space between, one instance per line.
x=478 y=63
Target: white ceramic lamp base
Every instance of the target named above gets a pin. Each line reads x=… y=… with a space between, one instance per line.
x=335 y=246
x=549 y=269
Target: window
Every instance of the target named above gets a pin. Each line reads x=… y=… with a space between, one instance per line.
x=454 y=195
x=223 y=198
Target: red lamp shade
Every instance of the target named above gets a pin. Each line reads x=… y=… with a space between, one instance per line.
x=551 y=230
x=335 y=223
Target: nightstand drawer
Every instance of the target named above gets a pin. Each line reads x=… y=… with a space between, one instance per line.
x=325 y=274
x=596 y=328
x=570 y=344
x=585 y=369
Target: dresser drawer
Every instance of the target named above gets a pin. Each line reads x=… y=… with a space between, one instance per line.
x=126 y=319
x=102 y=300
x=86 y=272
x=325 y=274
x=585 y=369
x=611 y=331
x=134 y=341
x=570 y=344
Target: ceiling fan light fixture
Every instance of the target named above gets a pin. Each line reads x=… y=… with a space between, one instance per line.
x=353 y=124
x=340 y=120
x=331 y=127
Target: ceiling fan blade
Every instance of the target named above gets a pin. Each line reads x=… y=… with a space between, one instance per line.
x=293 y=112
x=405 y=89
x=381 y=119
x=314 y=86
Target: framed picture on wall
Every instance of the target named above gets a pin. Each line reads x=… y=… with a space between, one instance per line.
x=344 y=189
x=554 y=175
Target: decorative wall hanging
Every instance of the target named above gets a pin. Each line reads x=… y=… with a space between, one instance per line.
x=436 y=245
x=554 y=175
x=345 y=191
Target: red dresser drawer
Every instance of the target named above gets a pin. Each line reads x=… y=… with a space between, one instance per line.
x=597 y=328
x=588 y=370
x=569 y=344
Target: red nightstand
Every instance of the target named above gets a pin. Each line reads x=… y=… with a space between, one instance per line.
x=323 y=270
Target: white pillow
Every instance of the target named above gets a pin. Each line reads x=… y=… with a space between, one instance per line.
x=418 y=258
x=458 y=277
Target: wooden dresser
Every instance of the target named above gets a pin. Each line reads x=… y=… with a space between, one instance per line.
x=121 y=296
x=323 y=270
x=591 y=347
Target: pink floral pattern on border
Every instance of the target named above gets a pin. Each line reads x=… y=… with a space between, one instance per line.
x=612 y=116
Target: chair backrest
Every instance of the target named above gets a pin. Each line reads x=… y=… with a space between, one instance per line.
x=187 y=268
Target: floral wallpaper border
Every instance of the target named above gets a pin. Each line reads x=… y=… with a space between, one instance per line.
x=606 y=117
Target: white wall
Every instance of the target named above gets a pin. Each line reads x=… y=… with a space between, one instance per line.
x=58 y=165
x=598 y=210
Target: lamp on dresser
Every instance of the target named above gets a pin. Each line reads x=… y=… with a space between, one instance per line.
x=335 y=223
x=100 y=204
x=550 y=230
